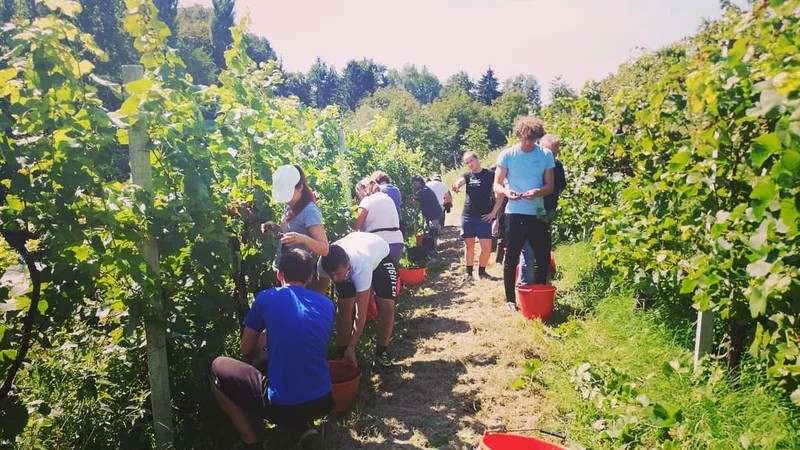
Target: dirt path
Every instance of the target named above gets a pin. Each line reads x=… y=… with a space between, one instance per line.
x=457 y=350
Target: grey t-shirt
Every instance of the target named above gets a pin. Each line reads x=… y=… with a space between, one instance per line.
x=300 y=223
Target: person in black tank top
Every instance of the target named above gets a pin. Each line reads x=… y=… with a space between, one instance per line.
x=480 y=209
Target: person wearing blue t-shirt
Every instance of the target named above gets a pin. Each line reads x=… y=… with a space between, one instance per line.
x=297 y=386
x=528 y=170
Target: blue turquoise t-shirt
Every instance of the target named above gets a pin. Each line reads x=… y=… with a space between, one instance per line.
x=299 y=325
x=526 y=172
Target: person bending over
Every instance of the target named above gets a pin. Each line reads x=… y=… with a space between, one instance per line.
x=297 y=387
x=358 y=264
x=431 y=213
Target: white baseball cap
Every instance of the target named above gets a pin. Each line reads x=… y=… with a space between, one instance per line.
x=284 y=181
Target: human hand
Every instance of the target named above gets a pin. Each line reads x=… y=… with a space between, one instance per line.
x=292 y=238
x=512 y=194
x=350 y=356
x=529 y=195
x=455 y=188
x=268 y=226
x=489 y=217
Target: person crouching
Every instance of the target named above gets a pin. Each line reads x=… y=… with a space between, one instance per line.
x=297 y=387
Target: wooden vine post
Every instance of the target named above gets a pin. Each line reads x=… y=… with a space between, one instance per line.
x=704 y=337
x=155 y=328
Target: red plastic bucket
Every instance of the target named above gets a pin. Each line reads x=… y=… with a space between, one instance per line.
x=501 y=441
x=413 y=276
x=397 y=289
x=536 y=300
x=552 y=263
x=420 y=237
x=344 y=380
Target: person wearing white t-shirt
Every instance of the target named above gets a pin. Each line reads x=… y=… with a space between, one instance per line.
x=442 y=194
x=377 y=213
x=358 y=264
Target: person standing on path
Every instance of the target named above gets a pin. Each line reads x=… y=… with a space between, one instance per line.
x=552 y=143
x=377 y=214
x=480 y=210
x=358 y=264
x=301 y=224
x=431 y=214
x=297 y=387
x=528 y=168
x=386 y=186
x=442 y=194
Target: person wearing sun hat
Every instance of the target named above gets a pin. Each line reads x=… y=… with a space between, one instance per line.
x=301 y=224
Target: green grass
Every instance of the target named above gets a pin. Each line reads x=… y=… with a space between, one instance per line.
x=637 y=362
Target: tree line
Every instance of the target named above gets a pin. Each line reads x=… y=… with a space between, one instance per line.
x=442 y=118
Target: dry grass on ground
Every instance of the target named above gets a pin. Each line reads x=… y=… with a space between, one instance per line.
x=458 y=350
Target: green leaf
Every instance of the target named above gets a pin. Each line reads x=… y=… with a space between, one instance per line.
x=679 y=160
x=69 y=8
x=763 y=147
x=688 y=285
x=758 y=301
x=7 y=74
x=764 y=191
x=14 y=203
x=737 y=52
x=42 y=306
x=138 y=86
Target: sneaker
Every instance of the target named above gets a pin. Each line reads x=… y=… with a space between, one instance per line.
x=486 y=276
x=384 y=361
x=466 y=278
x=511 y=306
x=311 y=440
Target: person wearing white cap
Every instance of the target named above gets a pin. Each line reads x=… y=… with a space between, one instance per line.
x=301 y=225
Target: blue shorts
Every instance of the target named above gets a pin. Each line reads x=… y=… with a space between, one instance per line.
x=475 y=227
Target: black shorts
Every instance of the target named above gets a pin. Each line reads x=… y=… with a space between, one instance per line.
x=384 y=282
x=244 y=385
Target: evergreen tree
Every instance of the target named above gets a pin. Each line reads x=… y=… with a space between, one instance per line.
x=167 y=12
x=324 y=82
x=259 y=48
x=220 y=29
x=296 y=83
x=359 y=80
x=488 y=87
x=8 y=10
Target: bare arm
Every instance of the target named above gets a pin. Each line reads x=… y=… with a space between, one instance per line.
x=362 y=218
x=317 y=240
x=459 y=182
x=500 y=178
x=362 y=303
x=249 y=344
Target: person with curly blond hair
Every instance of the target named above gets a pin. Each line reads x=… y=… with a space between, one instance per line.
x=377 y=214
x=528 y=170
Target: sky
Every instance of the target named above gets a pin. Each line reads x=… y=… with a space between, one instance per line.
x=579 y=39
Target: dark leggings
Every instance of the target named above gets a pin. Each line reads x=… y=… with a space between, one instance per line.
x=522 y=227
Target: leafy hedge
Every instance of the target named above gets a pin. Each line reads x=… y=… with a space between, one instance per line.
x=686 y=167
x=73 y=273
